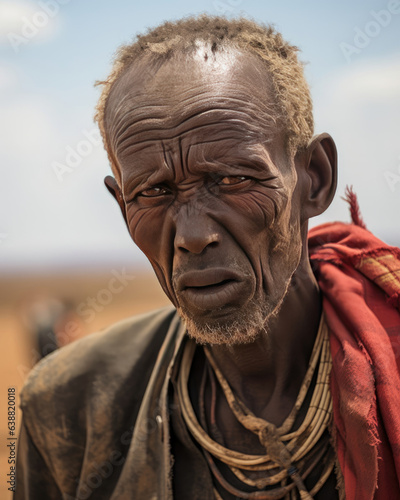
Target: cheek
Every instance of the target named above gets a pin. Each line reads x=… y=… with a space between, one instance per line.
x=149 y=231
x=285 y=245
x=268 y=234
x=249 y=219
x=261 y=220
x=146 y=228
x=254 y=211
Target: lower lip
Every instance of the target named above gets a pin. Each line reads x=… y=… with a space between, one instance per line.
x=211 y=297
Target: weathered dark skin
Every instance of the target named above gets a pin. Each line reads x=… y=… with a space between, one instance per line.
x=209 y=193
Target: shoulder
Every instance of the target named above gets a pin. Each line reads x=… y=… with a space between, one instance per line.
x=82 y=401
x=106 y=359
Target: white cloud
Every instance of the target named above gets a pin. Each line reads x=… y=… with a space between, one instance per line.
x=27 y=129
x=22 y=23
x=374 y=81
x=8 y=78
x=11 y=14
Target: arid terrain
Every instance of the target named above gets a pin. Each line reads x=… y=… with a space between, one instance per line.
x=94 y=302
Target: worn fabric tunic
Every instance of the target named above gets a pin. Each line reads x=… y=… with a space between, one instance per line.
x=96 y=415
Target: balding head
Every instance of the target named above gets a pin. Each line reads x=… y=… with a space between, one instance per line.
x=189 y=37
x=166 y=97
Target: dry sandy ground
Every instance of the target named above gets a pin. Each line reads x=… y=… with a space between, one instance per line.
x=114 y=300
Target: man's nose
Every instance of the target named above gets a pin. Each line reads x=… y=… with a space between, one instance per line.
x=195 y=231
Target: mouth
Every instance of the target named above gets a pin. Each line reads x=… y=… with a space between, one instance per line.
x=210 y=289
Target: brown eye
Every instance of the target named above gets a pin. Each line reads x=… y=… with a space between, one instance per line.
x=153 y=192
x=232 y=180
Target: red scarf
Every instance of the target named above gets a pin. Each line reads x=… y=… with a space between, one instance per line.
x=359 y=276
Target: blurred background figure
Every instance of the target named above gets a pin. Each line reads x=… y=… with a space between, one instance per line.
x=52 y=323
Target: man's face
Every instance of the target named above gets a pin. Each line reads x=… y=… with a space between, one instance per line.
x=209 y=189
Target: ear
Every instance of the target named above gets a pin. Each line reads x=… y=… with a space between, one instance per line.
x=115 y=190
x=318 y=168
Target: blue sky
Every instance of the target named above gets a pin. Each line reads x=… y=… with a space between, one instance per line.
x=49 y=62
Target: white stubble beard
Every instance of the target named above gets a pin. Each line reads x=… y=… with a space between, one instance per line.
x=253 y=321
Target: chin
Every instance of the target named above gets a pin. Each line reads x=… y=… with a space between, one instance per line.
x=239 y=327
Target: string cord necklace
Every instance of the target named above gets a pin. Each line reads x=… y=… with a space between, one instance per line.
x=291 y=455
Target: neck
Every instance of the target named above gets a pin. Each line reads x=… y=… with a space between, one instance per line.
x=267 y=374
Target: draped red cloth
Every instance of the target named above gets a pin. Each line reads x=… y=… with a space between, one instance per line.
x=359 y=276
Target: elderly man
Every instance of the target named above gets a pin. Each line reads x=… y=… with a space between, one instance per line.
x=274 y=376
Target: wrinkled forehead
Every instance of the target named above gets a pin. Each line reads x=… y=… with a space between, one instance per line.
x=216 y=86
